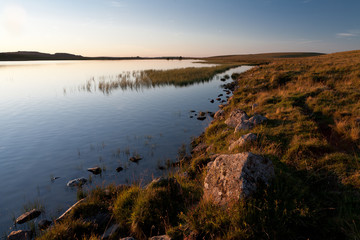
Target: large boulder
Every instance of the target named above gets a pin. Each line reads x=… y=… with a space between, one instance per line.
x=20 y=235
x=235 y=176
x=237 y=116
x=28 y=216
x=250 y=137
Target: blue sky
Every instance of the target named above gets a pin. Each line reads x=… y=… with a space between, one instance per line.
x=179 y=27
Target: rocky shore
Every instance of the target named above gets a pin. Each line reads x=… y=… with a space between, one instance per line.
x=275 y=163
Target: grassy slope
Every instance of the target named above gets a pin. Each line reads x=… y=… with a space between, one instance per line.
x=260 y=58
x=313 y=139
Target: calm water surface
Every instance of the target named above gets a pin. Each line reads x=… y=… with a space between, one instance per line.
x=52 y=125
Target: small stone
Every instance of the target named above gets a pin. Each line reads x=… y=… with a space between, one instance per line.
x=119 y=169
x=163 y=237
x=201 y=147
x=220 y=95
x=212 y=114
x=20 y=235
x=244 y=125
x=219 y=114
x=95 y=170
x=236 y=117
x=250 y=137
x=202 y=114
x=54 y=178
x=201 y=118
x=212 y=101
x=77 y=182
x=218 y=99
x=254 y=106
x=28 y=216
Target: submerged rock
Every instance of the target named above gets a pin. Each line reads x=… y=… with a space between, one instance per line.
x=28 y=216
x=135 y=159
x=20 y=235
x=77 y=182
x=119 y=169
x=234 y=176
x=95 y=170
x=212 y=101
x=250 y=137
x=202 y=114
x=212 y=114
x=201 y=118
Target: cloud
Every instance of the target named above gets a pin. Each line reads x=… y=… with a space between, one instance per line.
x=345 y=34
x=348 y=34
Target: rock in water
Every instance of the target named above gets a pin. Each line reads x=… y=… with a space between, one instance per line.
x=76 y=182
x=250 y=137
x=235 y=176
x=119 y=169
x=135 y=159
x=20 y=235
x=95 y=170
x=201 y=118
x=28 y=216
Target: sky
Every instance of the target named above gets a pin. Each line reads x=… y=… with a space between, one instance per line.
x=195 y=28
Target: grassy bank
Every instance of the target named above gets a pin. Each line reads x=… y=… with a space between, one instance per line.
x=312 y=138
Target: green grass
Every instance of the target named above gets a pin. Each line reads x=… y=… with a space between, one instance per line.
x=152 y=78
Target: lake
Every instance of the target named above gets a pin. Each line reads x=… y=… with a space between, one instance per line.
x=55 y=123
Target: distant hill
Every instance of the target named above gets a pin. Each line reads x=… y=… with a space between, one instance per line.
x=25 y=56
x=37 y=56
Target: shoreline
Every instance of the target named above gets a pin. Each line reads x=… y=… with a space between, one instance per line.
x=296 y=111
